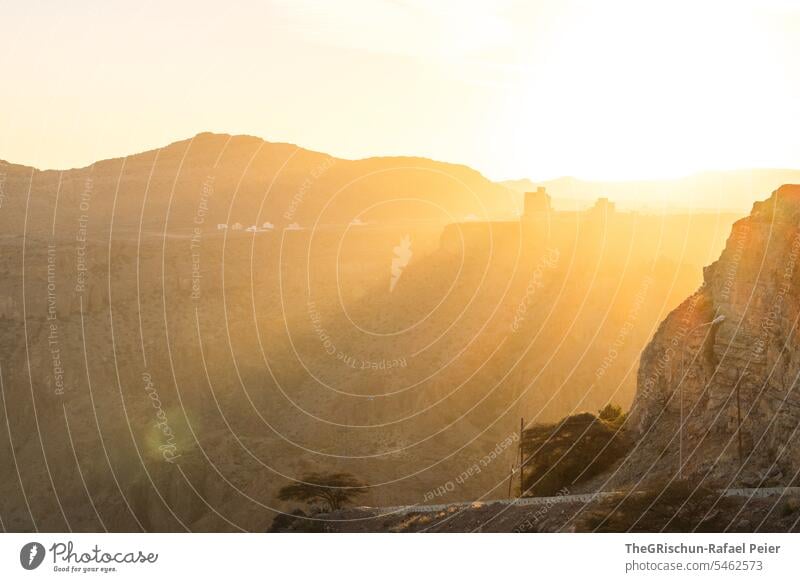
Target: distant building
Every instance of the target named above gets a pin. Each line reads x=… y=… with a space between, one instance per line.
x=537 y=204
x=237 y=226
x=603 y=206
x=222 y=227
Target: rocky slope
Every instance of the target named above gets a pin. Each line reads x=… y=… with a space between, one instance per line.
x=727 y=362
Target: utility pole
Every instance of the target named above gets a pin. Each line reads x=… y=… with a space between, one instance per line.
x=521 y=460
x=680 y=430
x=739 y=419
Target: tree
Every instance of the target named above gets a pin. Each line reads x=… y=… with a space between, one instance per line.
x=333 y=489
x=612 y=413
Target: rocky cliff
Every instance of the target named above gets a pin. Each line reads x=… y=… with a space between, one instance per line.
x=716 y=394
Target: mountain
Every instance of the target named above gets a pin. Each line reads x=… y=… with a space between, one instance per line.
x=222 y=179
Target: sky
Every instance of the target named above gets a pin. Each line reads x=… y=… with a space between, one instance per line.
x=618 y=89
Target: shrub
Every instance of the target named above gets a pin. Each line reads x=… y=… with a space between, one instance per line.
x=569 y=452
x=332 y=489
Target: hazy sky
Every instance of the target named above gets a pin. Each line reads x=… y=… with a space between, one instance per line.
x=595 y=89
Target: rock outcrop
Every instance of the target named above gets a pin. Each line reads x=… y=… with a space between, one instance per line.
x=716 y=392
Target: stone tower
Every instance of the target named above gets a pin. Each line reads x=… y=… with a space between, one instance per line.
x=537 y=204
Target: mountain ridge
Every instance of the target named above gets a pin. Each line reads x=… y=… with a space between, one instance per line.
x=733 y=190
x=247 y=136
x=245 y=179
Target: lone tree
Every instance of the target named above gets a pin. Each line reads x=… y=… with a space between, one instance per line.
x=612 y=414
x=333 y=489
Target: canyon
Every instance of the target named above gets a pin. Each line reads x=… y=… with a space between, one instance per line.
x=186 y=330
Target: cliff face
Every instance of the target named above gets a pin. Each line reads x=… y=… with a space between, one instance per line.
x=727 y=362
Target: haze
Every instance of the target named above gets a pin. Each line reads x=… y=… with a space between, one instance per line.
x=517 y=89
